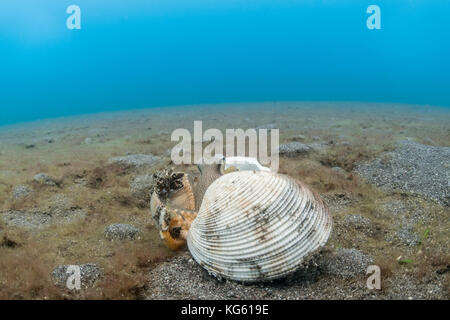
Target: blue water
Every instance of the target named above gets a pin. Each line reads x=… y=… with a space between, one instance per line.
x=141 y=53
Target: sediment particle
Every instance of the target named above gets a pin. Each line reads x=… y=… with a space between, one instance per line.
x=121 y=231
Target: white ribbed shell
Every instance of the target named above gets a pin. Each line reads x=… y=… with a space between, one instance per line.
x=257 y=226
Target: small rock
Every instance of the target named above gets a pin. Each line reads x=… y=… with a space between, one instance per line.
x=88 y=140
x=293 y=149
x=43 y=178
x=21 y=191
x=89 y=274
x=121 y=232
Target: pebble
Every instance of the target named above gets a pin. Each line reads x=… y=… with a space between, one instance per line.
x=121 y=232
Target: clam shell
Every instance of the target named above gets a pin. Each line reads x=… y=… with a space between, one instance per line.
x=257 y=226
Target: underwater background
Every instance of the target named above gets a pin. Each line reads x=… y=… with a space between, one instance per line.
x=141 y=54
x=88 y=132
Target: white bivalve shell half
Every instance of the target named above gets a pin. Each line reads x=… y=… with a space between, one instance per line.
x=257 y=226
x=244 y=164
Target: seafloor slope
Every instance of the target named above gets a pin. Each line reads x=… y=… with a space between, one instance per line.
x=74 y=191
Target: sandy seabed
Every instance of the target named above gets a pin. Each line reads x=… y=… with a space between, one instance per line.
x=355 y=161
